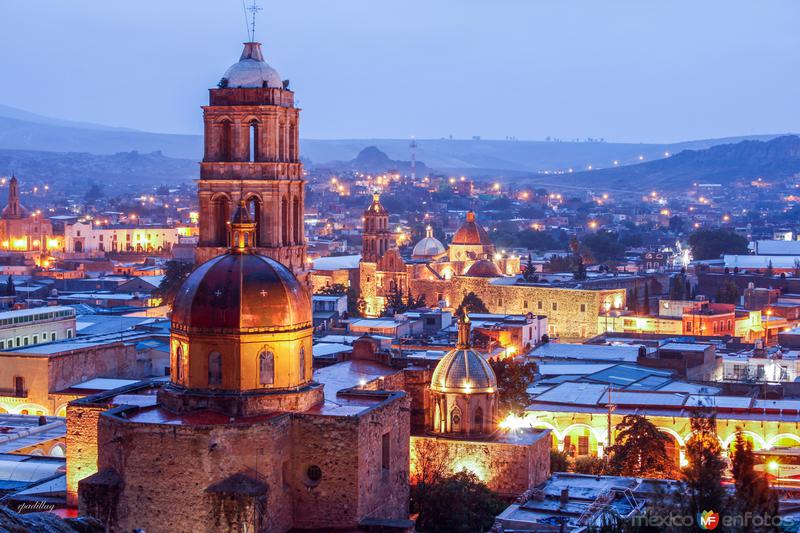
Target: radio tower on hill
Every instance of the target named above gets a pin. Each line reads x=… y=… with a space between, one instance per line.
x=413 y=147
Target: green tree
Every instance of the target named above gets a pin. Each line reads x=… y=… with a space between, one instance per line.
x=640 y=450
x=706 y=466
x=513 y=379
x=753 y=492
x=579 y=269
x=646 y=303
x=529 y=271
x=588 y=464
x=712 y=243
x=728 y=293
x=459 y=503
x=11 y=290
x=559 y=461
x=338 y=289
x=603 y=245
x=770 y=270
x=679 y=286
x=471 y=303
x=175 y=274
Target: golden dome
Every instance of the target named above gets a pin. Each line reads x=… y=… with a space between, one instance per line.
x=484 y=269
x=471 y=233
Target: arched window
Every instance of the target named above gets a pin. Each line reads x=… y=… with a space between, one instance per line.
x=282 y=142
x=253 y=132
x=298 y=220
x=224 y=148
x=215 y=368
x=478 y=419
x=302 y=364
x=254 y=208
x=455 y=420
x=221 y=208
x=266 y=368
x=285 y=222
x=179 y=363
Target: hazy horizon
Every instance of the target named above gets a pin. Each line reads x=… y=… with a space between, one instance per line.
x=627 y=71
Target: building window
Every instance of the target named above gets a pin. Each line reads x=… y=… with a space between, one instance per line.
x=266 y=368
x=455 y=420
x=19 y=387
x=555 y=306
x=69 y=333
x=583 y=308
x=385 y=453
x=215 y=368
x=525 y=304
x=540 y=305
x=583 y=445
x=179 y=363
x=302 y=363
x=478 y=419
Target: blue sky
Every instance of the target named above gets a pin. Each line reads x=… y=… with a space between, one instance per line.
x=624 y=70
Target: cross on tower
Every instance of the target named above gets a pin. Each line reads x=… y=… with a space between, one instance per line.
x=253 y=9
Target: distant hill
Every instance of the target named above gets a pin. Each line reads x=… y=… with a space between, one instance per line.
x=23 y=130
x=72 y=171
x=773 y=159
x=371 y=159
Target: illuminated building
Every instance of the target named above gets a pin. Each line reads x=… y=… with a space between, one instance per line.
x=462 y=426
x=577 y=413
x=244 y=436
x=252 y=153
x=96 y=238
x=22 y=230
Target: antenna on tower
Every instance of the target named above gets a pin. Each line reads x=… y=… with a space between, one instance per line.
x=413 y=147
x=254 y=8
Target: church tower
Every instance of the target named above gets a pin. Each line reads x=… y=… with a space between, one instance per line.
x=252 y=155
x=377 y=238
x=14 y=209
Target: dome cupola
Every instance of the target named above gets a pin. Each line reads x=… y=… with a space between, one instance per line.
x=251 y=71
x=428 y=247
x=463 y=390
x=471 y=233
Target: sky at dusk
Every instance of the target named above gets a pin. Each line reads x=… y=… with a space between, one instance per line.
x=624 y=70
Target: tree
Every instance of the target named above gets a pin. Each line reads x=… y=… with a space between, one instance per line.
x=753 y=492
x=338 y=289
x=588 y=464
x=712 y=243
x=11 y=290
x=603 y=245
x=678 y=284
x=559 y=461
x=706 y=466
x=796 y=269
x=640 y=450
x=471 y=303
x=396 y=302
x=174 y=276
x=770 y=271
x=513 y=379
x=579 y=272
x=459 y=503
x=646 y=303
x=728 y=293
x=93 y=193
x=529 y=271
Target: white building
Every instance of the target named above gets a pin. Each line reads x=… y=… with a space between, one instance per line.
x=25 y=327
x=85 y=237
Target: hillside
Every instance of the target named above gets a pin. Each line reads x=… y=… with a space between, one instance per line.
x=22 y=130
x=773 y=159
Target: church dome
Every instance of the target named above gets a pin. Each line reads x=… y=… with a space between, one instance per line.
x=463 y=369
x=241 y=291
x=471 y=233
x=430 y=246
x=251 y=71
x=484 y=269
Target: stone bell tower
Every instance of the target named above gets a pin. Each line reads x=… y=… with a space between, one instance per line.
x=252 y=154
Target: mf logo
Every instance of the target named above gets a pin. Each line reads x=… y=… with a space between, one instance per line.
x=708 y=520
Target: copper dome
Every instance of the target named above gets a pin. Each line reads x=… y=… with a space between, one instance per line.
x=484 y=269
x=471 y=233
x=241 y=292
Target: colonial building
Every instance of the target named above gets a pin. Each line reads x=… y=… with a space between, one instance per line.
x=243 y=438
x=91 y=238
x=252 y=154
x=23 y=231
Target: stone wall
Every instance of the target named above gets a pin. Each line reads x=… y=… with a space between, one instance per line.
x=81 y=446
x=508 y=468
x=166 y=470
